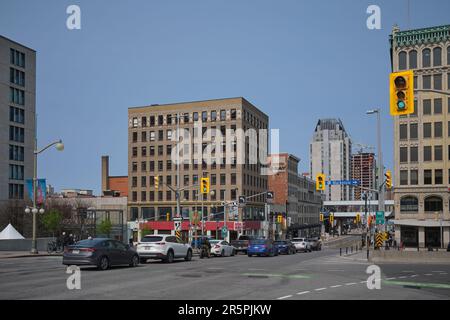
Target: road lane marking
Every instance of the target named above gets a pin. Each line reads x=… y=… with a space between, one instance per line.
x=365 y=281
x=268 y=275
x=428 y=274
x=414 y=275
x=419 y=284
x=320 y=289
x=407 y=271
x=350 y=283
x=336 y=286
x=391 y=278
x=285 y=297
x=402 y=277
x=303 y=292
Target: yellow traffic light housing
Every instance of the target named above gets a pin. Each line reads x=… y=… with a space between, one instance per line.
x=358 y=218
x=331 y=218
x=401 y=92
x=156 y=182
x=204 y=185
x=320 y=182
x=388 y=175
x=321 y=217
x=168 y=216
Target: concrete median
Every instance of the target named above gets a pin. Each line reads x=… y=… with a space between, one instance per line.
x=409 y=256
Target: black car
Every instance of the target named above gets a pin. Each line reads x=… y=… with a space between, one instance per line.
x=285 y=246
x=100 y=252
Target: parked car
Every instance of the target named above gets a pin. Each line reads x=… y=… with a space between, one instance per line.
x=301 y=244
x=100 y=252
x=241 y=244
x=315 y=244
x=262 y=247
x=285 y=246
x=163 y=247
x=222 y=248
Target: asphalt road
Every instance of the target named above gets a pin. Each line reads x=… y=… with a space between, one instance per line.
x=316 y=275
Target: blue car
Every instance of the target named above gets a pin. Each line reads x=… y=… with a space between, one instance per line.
x=285 y=247
x=262 y=247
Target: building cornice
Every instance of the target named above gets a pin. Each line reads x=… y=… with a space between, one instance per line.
x=425 y=36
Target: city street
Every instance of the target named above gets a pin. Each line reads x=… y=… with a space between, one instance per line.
x=315 y=275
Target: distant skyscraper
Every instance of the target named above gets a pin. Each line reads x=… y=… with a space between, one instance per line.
x=17 y=118
x=330 y=152
x=364 y=170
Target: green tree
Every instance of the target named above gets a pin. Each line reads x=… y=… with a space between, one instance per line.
x=105 y=227
x=52 y=220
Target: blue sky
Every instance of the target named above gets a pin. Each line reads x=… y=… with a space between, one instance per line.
x=296 y=60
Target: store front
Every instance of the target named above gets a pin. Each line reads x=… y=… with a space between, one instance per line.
x=409 y=236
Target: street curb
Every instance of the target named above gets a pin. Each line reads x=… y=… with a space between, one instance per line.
x=31 y=256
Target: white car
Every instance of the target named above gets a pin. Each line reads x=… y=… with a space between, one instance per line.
x=222 y=248
x=301 y=244
x=163 y=247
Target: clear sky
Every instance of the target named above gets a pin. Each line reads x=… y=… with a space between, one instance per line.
x=296 y=60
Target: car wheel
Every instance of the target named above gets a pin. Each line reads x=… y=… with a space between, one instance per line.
x=103 y=264
x=249 y=255
x=169 y=258
x=188 y=256
x=142 y=260
x=134 y=261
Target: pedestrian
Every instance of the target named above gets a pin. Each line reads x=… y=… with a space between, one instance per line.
x=131 y=242
x=71 y=240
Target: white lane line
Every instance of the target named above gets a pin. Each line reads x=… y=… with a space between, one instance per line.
x=320 y=289
x=428 y=274
x=335 y=270
x=336 y=286
x=414 y=275
x=350 y=283
x=285 y=297
x=303 y=292
x=402 y=277
x=391 y=278
x=365 y=281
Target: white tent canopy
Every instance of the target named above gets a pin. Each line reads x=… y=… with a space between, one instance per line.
x=10 y=233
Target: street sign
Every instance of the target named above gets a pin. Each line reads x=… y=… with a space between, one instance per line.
x=379 y=218
x=177 y=224
x=379 y=240
x=342 y=182
x=224 y=231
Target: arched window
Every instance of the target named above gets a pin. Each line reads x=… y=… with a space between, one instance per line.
x=409 y=204
x=448 y=55
x=426 y=58
x=433 y=204
x=437 y=56
x=402 y=60
x=413 y=59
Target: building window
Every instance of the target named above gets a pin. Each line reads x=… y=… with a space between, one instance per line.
x=403 y=154
x=438 y=176
x=438 y=106
x=160 y=120
x=144 y=121
x=17 y=77
x=437 y=57
x=16 y=153
x=168 y=195
x=222 y=179
x=169 y=150
x=143 y=182
x=409 y=204
x=413 y=59
x=414 y=177
x=427 y=130
x=416 y=108
x=233 y=114
x=403 y=177
x=403 y=132
x=160 y=150
x=134 y=182
x=169 y=135
x=426 y=58
x=160 y=135
x=16 y=134
x=437 y=82
x=160 y=165
x=402 y=60
x=144 y=151
x=222 y=195
x=413 y=134
x=195 y=116
x=160 y=196
x=152 y=166
x=152 y=150
x=223 y=115
x=135 y=136
x=16 y=172
x=204 y=116
x=233 y=178
x=438 y=129
x=427 y=106
x=152 y=135
x=415 y=79
x=16 y=115
x=144 y=166
x=152 y=121
x=427 y=153
x=427 y=177
x=151 y=196
x=433 y=204
x=414 y=154
x=144 y=136
x=213 y=115
x=426 y=82
x=437 y=153
x=134 y=167
x=169 y=165
x=17 y=96
x=214 y=179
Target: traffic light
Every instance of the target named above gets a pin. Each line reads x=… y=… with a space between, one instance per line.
x=402 y=92
x=320 y=182
x=331 y=218
x=388 y=175
x=321 y=217
x=358 y=218
x=156 y=182
x=280 y=218
x=168 y=216
x=204 y=185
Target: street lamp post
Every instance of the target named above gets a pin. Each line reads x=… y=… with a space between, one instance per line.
x=35 y=210
x=380 y=162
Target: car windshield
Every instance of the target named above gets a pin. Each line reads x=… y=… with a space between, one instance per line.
x=280 y=242
x=258 y=241
x=152 y=239
x=88 y=243
x=214 y=241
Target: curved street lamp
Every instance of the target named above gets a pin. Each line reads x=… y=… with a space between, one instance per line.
x=60 y=147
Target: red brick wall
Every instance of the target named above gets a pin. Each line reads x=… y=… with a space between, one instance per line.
x=119 y=184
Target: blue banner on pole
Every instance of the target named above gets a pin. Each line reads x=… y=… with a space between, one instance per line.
x=41 y=190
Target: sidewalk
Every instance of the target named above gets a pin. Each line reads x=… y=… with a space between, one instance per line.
x=26 y=254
